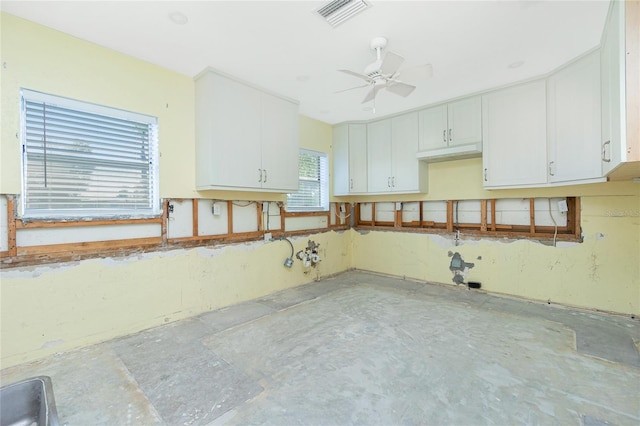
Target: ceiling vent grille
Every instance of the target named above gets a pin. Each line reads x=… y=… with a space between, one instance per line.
x=338 y=11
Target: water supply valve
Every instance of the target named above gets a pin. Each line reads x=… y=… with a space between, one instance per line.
x=309 y=256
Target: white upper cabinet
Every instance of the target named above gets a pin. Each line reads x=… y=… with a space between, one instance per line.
x=246 y=139
x=340 y=149
x=465 y=121
x=391 y=151
x=613 y=146
x=280 y=151
x=408 y=174
x=358 y=158
x=350 y=159
x=379 y=156
x=534 y=141
x=515 y=136
x=574 y=116
x=433 y=128
x=444 y=128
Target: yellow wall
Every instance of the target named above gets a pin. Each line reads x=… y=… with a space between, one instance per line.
x=58 y=307
x=602 y=273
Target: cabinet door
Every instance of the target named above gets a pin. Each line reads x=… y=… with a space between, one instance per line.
x=358 y=158
x=236 y=131
x=574 y=149
x=612 y=78
x=404 y=137
x=465 y=121
x=514 y=136
x=280 y=149
x=379 y=156
x=433 y=128
x=340 y=149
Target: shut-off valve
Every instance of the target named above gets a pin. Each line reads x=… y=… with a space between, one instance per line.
x=309 y=256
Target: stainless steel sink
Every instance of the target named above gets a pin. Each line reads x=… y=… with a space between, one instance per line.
x=28 y=403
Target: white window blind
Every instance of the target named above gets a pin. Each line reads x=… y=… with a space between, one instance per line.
x=86 y=160
x=313 y=192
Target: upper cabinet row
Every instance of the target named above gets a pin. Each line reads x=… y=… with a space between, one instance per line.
x=378 y=157
x=246 y=138
x=540 y=133
x=383 y=156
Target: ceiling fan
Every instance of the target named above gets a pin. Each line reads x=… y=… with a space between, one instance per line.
x=385 y=73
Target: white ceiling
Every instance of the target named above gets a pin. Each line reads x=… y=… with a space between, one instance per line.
x=284 y=47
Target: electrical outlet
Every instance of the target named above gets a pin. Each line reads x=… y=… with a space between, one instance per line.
x=562 y=206
x=398 y=206
x=267 y=236
x=215 y=209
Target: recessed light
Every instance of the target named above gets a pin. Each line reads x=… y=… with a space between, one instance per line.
x=516 y=64
x=178 y=18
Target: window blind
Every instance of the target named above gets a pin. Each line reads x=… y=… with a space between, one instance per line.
x=81 y=159
x=313 y=192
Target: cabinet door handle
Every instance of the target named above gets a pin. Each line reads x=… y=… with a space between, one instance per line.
x=444 y=135
x=265 y=175
x=604 y=152
x=551 y=173
x=350 y=183
x=449 y=135
x=485 y=174
x=389 y=182
x=393 y=182
x=259 y=175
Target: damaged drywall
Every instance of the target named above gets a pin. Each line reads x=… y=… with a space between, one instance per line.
x=459 y=268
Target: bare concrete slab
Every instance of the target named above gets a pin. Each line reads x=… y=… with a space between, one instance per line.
x=373 y=356
x=187 y=383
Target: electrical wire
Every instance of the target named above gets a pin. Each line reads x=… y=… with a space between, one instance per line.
x=555 y=225
x=268 y=206
x=287 y=240
x=457 y=221
x=247 y=204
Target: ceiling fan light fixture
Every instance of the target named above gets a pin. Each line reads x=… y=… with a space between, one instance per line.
x=338 y=11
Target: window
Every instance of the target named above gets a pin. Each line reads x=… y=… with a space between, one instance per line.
x=313 y=192
x=86 y=160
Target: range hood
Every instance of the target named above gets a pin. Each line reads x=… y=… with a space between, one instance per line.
x=451 y=153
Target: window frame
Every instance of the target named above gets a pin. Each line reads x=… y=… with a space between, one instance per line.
x=154 y=209
x=323 y=183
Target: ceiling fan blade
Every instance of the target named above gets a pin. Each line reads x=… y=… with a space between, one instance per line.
x=352 y=88
x=372 y=93
x=355 y=74
x=420 y=72
x=401 y=89
x=391 y=63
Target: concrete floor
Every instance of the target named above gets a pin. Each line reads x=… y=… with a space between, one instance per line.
x=359 y=349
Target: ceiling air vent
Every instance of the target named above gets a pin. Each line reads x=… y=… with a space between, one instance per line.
x=338 y=11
